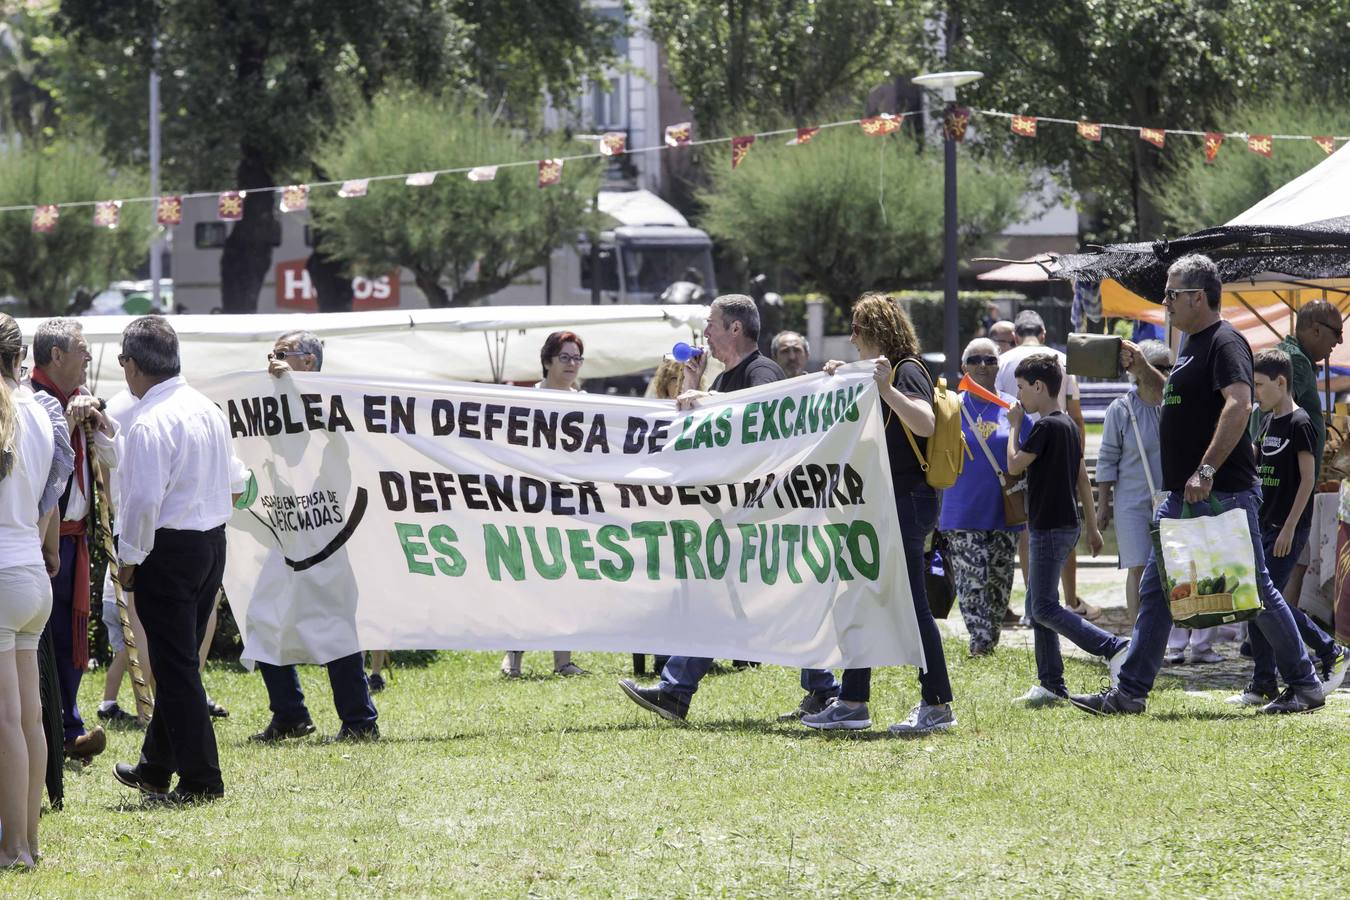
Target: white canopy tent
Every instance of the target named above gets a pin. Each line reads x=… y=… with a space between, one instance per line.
x=1319 y=194
x=493 y=343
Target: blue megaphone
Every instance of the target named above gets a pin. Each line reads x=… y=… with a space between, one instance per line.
x=682 y=352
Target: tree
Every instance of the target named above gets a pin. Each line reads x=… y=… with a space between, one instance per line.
x=462 y=240
x=850 y=213
x=44 y=270
x=1195 y=194
x=251 y=88
x=1179 y=64
x=746 y=63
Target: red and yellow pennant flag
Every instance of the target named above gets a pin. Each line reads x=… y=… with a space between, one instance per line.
x=295 y=198
x=483 y=173
x=550 y=172
x=357 y=187
x=1326 y=142
x=44 y=217
x=169 y=211
x=679 y=135
x=955 y=121
x=107 y=214
x=1155 y=136
x=1024 y=126
x=1261 y=144
x=1213 y=141
x=612 y=143
x=804 y=136
x=879 y=125
x=740 y=148
x=230 y=206
x=1090 y=131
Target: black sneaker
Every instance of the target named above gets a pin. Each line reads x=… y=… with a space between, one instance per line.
x=376 y=682
x=667 y=706
x=1110 y=702
x=810 y=705
x=217 y=711
x=184 y=798
x=116 y=715
x=276 y=732
x=1296 y=700
x=356 y=735
x=131 y=777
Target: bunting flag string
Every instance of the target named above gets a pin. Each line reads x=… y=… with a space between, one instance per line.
x=295 y=197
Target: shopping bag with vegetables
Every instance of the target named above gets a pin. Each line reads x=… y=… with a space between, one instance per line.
x=1207 y=566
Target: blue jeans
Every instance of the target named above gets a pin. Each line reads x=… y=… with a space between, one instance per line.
x=1154 y=623
x=1263 y=672
x=683 y=673
x=351 y=693
x=918 y=516
x=1049 y=549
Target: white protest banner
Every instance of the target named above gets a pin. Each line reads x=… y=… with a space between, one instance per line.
x=401 y=514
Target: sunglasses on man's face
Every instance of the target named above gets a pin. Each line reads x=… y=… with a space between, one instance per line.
x=1171 y=294
x=284 y=355
x=981 y=360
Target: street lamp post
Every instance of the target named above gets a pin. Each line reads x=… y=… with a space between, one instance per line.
x=946 y=84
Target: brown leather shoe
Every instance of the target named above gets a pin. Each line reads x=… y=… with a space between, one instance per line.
x=88 y=745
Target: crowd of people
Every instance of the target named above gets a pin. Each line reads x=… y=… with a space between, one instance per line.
x=158 y=457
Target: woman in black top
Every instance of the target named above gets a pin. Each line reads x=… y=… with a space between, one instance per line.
x=881 y=331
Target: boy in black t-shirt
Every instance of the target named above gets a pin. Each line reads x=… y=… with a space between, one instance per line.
x=1053 y=460
x=1287 y=469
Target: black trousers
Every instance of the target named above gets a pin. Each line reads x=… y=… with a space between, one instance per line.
x=176 y=588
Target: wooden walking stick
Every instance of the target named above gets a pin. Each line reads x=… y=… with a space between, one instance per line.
x=140 y=689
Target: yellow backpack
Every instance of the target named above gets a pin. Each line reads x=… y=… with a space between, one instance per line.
x=947 y=450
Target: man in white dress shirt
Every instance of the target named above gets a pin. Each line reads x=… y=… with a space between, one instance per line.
x=178 y=480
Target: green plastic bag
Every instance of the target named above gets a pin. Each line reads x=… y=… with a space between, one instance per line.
x=1207 y=566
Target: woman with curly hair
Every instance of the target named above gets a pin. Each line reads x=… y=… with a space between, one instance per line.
x=881 y=331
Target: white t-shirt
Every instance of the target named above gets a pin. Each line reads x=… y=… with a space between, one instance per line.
x=1006 y=381
x=21 y=489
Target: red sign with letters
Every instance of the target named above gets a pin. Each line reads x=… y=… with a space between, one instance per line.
x=295 y=289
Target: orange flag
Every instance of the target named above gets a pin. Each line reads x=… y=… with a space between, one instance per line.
x=740 y=148
x=1155 y=136
x=968 y=384
x=1213 y=141
x=1023 y=125
x=1327 y=143
x=1261 y=145
x=1089 y=131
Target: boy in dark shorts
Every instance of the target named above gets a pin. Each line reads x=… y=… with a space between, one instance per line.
x=1053 y=460
x=1287 y=468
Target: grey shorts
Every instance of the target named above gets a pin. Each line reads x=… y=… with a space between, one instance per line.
x=116 y=640
x=25 y=606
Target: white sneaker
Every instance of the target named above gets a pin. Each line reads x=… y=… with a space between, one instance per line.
x=1114 y=664
x=1333 y=672
x=1039 y=696
x=1253 y=696
x=1205 y=656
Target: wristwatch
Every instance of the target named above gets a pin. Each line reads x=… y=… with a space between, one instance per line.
x=1205 y=472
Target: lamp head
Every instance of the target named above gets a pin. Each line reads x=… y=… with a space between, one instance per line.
x=946 y=83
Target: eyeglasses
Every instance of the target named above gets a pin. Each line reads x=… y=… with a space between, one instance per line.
x=1337 y=330
x=1170 y=295
x=568 y=358
x=284 y=355
x=981 y=360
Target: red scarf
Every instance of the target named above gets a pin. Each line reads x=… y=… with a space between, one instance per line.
x=80 y=594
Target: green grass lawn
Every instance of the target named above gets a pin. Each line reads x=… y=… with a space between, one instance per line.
x=554 y=788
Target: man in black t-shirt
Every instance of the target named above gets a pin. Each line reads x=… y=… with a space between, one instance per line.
x=1206 y=454
x=732 y=335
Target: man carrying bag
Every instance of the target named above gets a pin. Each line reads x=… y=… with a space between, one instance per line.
x=1206 y=454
